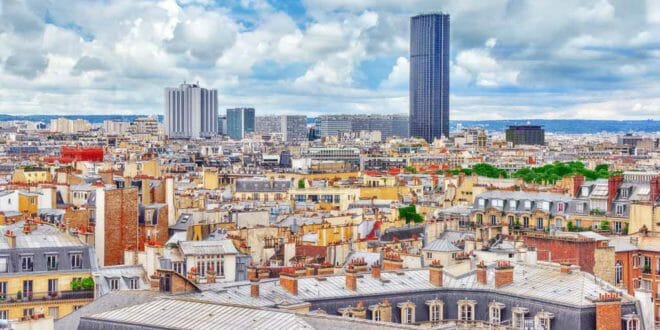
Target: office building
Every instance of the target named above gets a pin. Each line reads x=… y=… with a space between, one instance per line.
x=240 y=121
x=191 y=112
x=388 y=125
x=267 y=124
x=222 y=125
x=525 y=134
x=429 y=76
x=294 y=128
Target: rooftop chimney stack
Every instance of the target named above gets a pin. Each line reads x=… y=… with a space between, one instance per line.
x=289 y=281
x=375 y=271
x=608 y=311
x=351 y=278
x=503 y=273
x=10 y=236
x=482 y=273
x=254 y=288
x=436 y=273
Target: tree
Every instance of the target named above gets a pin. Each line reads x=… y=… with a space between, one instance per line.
x=87 y=283
x=604 y=225
x=410 y=214
x=301 y=184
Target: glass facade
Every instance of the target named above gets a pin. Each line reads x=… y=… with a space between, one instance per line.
x=429 y=76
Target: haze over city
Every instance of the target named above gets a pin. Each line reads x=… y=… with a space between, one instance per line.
x=509 y=59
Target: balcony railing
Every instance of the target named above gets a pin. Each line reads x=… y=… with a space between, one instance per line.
x=45 y=296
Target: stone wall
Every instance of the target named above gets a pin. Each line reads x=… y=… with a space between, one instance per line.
x=604 y=263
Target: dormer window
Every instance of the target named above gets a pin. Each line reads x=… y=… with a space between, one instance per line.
x=542 y=320
x=513 y=204
x=518 y=317
x=584 y=192
x=560 y=207
x=528 y=205
x=407 y=312
x=499 y=203
x=435 y=310
x=623 y=193
x=545 y=205
x=481 y=202
x=495 y=312
x=466 y=310
x=631 y=321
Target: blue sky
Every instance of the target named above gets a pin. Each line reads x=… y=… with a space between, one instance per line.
x=588 y=59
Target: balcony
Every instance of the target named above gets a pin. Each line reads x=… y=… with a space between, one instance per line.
x=45 y=296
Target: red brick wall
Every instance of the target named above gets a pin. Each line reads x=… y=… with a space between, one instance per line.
x=435 y=276
x=503 y=277
x=608 y=315
x=121 y=224
x=76 y=218
x=563 y=250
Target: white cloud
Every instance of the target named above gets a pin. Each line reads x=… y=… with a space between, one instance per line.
x=483 y=69
x=400 y=74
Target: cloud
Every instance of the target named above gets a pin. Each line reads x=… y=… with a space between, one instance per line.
x=27 y=64
x=511 y=59
x=88 y=64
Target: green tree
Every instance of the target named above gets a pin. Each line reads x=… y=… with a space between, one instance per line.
x=87 y=283
x=301 y=184
x=410 y=214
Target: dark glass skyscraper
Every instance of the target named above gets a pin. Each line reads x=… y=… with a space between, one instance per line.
x=429 y=76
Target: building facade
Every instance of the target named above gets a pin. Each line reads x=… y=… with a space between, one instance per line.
x=191 y=112
x=240 y=121
x=525 y=134
x=429 y=76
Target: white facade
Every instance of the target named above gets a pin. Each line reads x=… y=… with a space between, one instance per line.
x=191 y=112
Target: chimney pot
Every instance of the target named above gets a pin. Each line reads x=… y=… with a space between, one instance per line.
x=254 y=288
x=375 y=271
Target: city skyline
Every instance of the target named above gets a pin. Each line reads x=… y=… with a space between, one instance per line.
x=585 y=59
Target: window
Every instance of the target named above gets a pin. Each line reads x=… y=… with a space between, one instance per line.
x=579 y=207
x=177 y=266
x=512 y=204
x=635 y=261
x=498 y=203
x=558 y=223
x=375 y=315
x=525 y=222
x=52 y=286
x=3 y=265
x=632 y=324
x=511 y=220
x=542 y=323
x=480 y=218
x=211 y=261
x=27 y=288
x=493 y=220
x=114 y=284
x=528 y=205
x=618 y=273
x=76 y=260
x=466 y=312
x=481 y=202
x=26 y=263
x=3 y=314
x=584 y=191
x=624 y=193
x=28 y=312
x=3 y=290
x=495 y=315
x=51 y=261
x=539 y=223
x=620 y=209
x=435 y=310
x=429 y=255
x=618 y=227
x=545 y=206
x=560 y=207
x=407 y=312
x=133 y=284
x=518 y=320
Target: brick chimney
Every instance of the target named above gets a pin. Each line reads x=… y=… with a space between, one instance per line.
x=482 y=273
x=392 y=261
x=10 y=236
x=565 y=267
x=375 y=271
x=435 y=273
x=310 y=270
x=351 y=278
x=289 y=281
x=254 y=288
x=613 y=183
x=503 y=273
x=252 y=272
x=608 y=311
x=578 y=180
x=655 y=189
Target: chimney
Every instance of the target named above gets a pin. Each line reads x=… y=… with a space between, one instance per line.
x=482 y=273
x=655 y=189
x=503 y=273
x=435 y=273
x=565 y=267
x=351 y=278
x=392 y=261
x=578 y=180
x=289 y=281
x=310 y=270
x=252 y=272
x=375 y=271
x=608 y=311
x=10 y=236
x=613 y=183
x=254 y=288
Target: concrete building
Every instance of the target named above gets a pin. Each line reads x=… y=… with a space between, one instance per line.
x=294 y=128
x=191 y=112
x=388 y=125
x=525 y=135
x=240 y=121
x=267 y=124
x=429 y=76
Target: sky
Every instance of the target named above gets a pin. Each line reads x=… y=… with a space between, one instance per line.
x=510 y=59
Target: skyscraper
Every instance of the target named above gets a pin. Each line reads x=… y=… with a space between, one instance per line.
x=191 y=112
x=429 y=76
x=239 y=122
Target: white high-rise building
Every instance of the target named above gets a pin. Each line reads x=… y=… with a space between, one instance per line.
x=191 y=112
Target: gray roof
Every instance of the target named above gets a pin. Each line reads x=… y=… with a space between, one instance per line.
x=622 y=244
x=124 y=273
x=262 y=185
x=186 y=314
x=222 y=246
x=113 y=300
x=441 y=245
